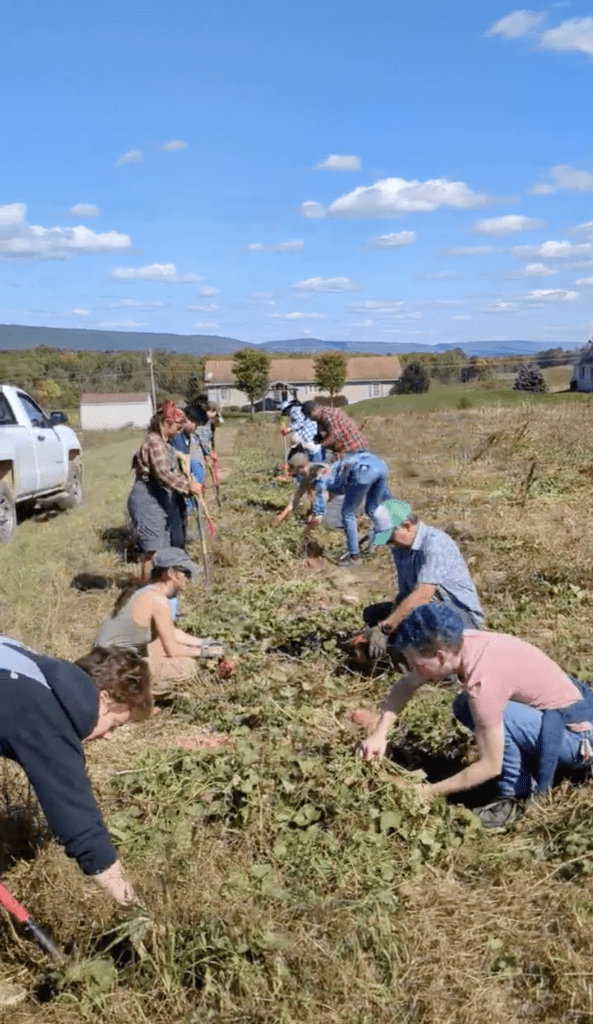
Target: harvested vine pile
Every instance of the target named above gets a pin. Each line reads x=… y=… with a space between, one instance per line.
x=287 y=881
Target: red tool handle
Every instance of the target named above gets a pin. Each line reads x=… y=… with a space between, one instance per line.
x=16 y=909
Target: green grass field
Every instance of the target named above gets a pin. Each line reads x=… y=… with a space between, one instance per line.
x=289 y=883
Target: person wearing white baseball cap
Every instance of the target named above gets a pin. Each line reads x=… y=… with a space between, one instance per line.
x=429 y=567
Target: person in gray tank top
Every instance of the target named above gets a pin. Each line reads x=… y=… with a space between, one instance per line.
x=141 y=621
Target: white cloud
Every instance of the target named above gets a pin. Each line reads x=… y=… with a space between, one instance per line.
x=574 y=34
x=392 y=241
x=312 y=209
x=470 y=250
x=532 y=270
x=392 y=196
x=207 y=307
x=581 y=265
x=339 y=163
x=83 y=210
x=516 y=24
x=460 y=318
x=443 y=302
x=508 y=224
x=118 y=324
x=133 y=156
x=328 y=284
x=162 y=272
x=541 y=189
x=500 y=306
x=80 y=312
x=586 y=281
x=394 y=310
x=295 y=246
x=552 y=250
x=565 y=177
x=544 y=296
x=208 y=291
x=134 y=304
x=19 y=240
x=441 y=275
x=297 y=316
x=173 y=146
x=202 y=326
x=583 y=229
x=364 y=323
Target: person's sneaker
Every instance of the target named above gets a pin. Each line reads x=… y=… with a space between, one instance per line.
x=500 y=813
x=347 y=560
x=11 y=994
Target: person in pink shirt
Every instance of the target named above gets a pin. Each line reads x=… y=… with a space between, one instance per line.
x=528 y=715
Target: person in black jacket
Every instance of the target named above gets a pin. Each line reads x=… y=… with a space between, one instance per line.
x=48 y=708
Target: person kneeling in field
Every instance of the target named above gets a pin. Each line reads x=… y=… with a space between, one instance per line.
x=49 y=707
x=528 y=716
x=141 y=621
x=429 y=567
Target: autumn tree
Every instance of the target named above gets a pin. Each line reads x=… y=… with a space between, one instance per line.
x=331 y=369
x=251 y=367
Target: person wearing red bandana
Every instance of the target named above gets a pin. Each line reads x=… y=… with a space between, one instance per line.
x=152 y=501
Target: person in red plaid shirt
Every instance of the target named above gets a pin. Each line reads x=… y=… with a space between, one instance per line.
x=343 y=435
x=152 y=502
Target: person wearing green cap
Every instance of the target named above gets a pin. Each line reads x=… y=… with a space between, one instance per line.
x=429 y=567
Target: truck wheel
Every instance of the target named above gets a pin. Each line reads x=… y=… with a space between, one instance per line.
x=73 y=497
x=7 y=515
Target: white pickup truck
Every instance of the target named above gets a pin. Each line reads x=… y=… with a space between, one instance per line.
x=40 y=459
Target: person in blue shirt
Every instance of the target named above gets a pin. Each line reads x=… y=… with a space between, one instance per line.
x=310 y=477
x=429 y=567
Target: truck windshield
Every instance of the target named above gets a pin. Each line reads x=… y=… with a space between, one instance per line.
x=6 y=415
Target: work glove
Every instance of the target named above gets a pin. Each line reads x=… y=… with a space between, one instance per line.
x=378 y=643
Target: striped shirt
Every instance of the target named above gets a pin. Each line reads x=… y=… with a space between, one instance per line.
x=435 y=558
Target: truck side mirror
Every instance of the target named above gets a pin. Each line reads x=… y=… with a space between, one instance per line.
x=55 y=418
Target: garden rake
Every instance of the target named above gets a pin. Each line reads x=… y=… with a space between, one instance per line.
x=32 y=929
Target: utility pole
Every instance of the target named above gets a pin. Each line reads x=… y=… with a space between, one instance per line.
x=152 y=387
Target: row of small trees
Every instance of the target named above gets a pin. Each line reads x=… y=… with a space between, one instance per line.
x=415 y=378
x=251 y=368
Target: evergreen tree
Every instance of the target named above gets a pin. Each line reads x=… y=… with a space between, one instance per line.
x=530 y=378
x=414 y=379
x=331 y=369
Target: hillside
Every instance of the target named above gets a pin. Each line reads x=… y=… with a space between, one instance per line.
x=17 y=336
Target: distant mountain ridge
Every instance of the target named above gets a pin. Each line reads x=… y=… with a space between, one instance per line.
x=16 y=336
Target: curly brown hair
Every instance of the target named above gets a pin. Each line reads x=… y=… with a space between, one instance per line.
x=122 y=674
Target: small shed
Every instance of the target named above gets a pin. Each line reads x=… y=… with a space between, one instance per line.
x=110 y=412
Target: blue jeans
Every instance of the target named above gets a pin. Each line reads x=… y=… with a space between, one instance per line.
x=368 y=483
x=522 y=725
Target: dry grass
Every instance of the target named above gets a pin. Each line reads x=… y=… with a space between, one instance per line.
x=293 y=884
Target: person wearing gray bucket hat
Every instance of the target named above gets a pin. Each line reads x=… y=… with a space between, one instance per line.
x=141 y=621
x=429 y=567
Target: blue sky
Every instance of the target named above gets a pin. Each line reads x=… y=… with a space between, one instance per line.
x=263 y=169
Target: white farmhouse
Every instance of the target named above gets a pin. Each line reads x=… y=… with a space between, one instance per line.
x=582 y=374
x=367 y=377
x=110 y=412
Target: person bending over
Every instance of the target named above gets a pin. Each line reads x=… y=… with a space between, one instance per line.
x=310 y=477
x=49 y=708
x=429 y=567
x=141 y=621
x=360 y=477
x=341 y=434
x=527 y=714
